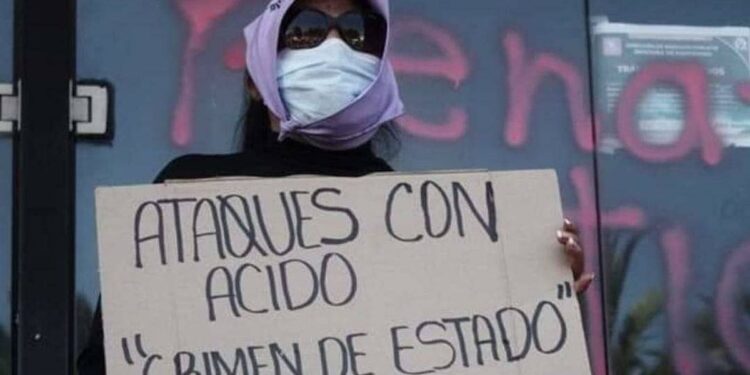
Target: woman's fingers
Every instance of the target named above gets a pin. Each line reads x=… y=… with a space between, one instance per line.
x=573 y=250
x=563 y=236
x=569 y=226
x=576 y=257
x=584 y=282
x=568 y=237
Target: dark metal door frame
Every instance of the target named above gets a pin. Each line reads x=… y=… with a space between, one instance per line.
x=43 y=189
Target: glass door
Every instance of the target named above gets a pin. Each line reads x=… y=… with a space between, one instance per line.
x=672 y=92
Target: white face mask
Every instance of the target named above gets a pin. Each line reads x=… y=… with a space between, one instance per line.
x=319 y=82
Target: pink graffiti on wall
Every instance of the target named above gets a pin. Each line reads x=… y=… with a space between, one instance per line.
x=743 y=91
x=728 y=317
x=526 y=73
x=450 y=64
x=698 y=131
x=674 y=243
x=234 y=56
x=201 y=16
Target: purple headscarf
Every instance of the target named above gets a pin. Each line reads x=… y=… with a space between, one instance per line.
x=350 y=127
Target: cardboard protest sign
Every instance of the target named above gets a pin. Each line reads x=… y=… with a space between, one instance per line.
x=453 y=273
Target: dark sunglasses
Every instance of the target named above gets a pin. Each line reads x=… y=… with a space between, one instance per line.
x=362 y=29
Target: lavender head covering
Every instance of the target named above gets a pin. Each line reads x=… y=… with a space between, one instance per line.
x=350 y=127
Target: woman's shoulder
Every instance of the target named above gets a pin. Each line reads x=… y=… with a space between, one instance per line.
x=259 y=164
x=192 y=166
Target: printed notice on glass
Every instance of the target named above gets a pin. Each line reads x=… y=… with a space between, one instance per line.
x=444 y=273
x=690 y=72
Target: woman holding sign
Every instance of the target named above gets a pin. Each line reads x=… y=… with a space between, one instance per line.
x=322 y=94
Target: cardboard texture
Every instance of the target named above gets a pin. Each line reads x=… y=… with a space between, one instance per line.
x=450 y=273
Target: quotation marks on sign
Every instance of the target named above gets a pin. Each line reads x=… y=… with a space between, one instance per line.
x=564 y=290
x=147 y=359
